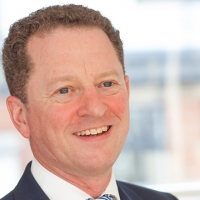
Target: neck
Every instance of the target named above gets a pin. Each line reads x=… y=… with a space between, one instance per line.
x=94 y=184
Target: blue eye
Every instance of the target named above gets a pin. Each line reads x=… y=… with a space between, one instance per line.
x=64 y=90
x=108 y=84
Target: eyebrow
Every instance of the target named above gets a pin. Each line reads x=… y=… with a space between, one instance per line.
x=70 y=78
x=60 y=78
x=105 y=74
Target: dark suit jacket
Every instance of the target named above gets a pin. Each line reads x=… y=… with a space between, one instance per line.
x=28 y=189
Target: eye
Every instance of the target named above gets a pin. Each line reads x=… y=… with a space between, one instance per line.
x=108 y=84
x=66 y=94
x=64 y=90
x=109 y=87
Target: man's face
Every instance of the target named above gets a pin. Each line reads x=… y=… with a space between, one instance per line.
x=78 y=113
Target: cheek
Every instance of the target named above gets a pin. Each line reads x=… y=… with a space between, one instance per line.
x=59 y=116
x=119 y=105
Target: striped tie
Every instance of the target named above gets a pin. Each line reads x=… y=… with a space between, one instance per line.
x=105 y=197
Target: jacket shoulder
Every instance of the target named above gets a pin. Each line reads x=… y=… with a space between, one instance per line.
x=144 y=193
x=9 y=196
x=27 y=188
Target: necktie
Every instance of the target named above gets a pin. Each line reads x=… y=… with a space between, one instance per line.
x=104 y=197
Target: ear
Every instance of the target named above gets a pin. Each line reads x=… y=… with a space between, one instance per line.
x=127 y=80
x=17 y=111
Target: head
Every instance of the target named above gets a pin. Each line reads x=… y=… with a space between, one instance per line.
x=17 y=64
x=75 y=107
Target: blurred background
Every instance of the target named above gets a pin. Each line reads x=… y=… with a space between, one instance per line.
x=162 y=57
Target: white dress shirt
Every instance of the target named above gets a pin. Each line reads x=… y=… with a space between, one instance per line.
x=58 y=189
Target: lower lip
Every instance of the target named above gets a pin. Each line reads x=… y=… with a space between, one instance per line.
x=97 y=137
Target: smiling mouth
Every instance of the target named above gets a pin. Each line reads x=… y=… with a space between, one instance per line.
x=94 y=131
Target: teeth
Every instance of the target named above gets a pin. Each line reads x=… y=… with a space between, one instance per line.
x=82 y=133
x=87 y=132
x=99 y=130
x=93 y=131
x=105 y=128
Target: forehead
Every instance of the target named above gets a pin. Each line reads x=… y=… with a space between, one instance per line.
x=72 y=47
x=69 y=40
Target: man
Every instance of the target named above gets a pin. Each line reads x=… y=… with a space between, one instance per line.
x=69 y=95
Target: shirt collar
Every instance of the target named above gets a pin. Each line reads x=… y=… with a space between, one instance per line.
x=58 y=189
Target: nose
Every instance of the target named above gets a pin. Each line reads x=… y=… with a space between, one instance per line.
x=91 y=104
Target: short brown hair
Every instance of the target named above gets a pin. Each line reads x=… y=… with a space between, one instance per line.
x=16 y=63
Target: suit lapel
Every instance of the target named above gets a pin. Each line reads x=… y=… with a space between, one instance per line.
x=27 y=188
x=126 y=193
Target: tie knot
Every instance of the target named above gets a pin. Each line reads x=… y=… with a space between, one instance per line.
x=104 y=197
